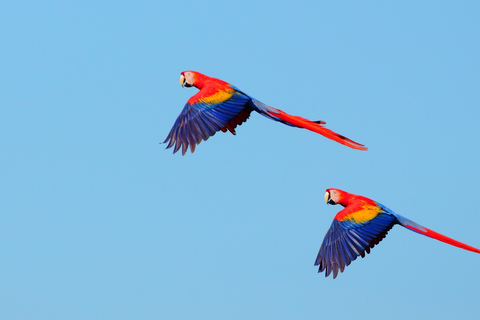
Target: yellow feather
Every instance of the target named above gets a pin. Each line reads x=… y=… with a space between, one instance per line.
x=365 y=214
x=218 y=97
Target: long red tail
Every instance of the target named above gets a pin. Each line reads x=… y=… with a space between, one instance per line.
x=315 y=126
x=435 y=235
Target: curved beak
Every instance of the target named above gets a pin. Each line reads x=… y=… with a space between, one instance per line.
x=182 y=80
x=328 y=200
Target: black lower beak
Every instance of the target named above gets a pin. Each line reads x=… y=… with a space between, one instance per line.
x=330 y=201
x=185 y=84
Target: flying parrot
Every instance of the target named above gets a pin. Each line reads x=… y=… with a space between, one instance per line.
x=358 y=227
x=220 y=106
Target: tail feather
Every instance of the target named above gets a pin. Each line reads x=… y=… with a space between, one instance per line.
x=315 y=126
x=432 y=234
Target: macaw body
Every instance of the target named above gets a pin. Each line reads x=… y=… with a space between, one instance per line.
x=219 y=106
x=361 y=225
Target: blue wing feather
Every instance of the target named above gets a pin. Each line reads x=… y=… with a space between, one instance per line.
x=346 y=240
x=200 y=121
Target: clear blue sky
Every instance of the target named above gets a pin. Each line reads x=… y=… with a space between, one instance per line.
x=98 y=221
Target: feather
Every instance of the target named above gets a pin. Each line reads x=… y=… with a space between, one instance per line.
x=219 y=106
x=359 y=227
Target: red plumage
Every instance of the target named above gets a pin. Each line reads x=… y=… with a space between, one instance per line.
x=219 y=106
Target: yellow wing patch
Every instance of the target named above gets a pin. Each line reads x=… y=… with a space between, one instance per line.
x=366 y=213
x=218 y=97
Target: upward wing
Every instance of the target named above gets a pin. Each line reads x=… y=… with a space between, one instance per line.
x=203 y=118
x=351 y=236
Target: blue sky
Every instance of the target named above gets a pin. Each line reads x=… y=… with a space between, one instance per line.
x=100 y=222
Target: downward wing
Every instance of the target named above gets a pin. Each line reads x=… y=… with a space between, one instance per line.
x=350 y=236
x=203 y=118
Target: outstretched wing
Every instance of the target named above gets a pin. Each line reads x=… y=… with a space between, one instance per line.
x=351 y=235
x=203 y=116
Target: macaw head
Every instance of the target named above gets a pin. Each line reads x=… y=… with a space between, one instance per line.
x=199 y=80
x=335 y=196
x=187 y=78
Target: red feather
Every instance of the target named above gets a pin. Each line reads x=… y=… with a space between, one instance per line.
x=316 y=126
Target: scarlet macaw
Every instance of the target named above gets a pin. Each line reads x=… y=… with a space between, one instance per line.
x=358 y=227
x=220 y=106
